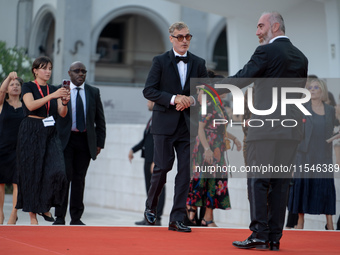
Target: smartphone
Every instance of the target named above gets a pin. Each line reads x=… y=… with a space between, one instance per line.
x=66 y=84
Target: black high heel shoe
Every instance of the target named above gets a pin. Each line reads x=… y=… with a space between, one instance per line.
x=46 y=217
x=326 y=227
x=16 y=220
x=189 y=221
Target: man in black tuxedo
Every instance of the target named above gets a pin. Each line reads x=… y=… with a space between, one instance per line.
x=275 y=58
x=82 y=133
x=168 y=85
x=147 y=145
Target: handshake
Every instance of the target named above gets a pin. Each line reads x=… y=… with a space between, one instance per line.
x=182 y=102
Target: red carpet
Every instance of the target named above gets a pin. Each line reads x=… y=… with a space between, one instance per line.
x=82 y=240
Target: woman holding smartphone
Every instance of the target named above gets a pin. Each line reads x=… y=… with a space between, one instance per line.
x=41 y=167
x=11 y=115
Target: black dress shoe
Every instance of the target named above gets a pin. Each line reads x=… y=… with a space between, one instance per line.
x=150 y=216
x=252 y=243
x=145 y=223
x=142 y=222
x=59 y=221
x=178 y=226
x=274 y=246
x=46 y=217
x=77 y=222
x=158 y=222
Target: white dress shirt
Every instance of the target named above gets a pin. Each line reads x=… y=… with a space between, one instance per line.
x=182 y=70
x=277 y=37
x=74 y=91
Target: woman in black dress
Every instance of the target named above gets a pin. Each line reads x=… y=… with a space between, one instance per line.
x=42 y=177
x=10 y=117
x=313 y=191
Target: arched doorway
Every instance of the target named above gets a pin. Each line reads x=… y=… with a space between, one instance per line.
x=46 y=46
x=126 y=47
x=43 y=33
x=220 y=53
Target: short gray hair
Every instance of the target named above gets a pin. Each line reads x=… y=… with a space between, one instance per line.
x=275 y=17
x=178 y=25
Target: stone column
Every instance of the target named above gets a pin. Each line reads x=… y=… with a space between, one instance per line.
x=332 y=9
x=72 y=37
x=24 y=21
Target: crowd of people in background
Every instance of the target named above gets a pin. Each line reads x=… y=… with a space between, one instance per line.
x=35 y=118
x=49 y=134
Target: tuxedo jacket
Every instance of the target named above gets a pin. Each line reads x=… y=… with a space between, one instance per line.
x=278 y=64
x=308 y=128
x=95 y=121
x=163 y=82
x=146 y=145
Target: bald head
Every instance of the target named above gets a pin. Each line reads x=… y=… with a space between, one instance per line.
x=77 y=73
x=269 y=26
x=76 y=63
x=275 y=17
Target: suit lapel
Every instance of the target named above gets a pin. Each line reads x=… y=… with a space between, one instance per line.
x=189 y=66
x=87 y=98
x=173 y=61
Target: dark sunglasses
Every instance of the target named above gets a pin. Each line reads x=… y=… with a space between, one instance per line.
x=316 y=87
x=180 y=38
x=79 y=70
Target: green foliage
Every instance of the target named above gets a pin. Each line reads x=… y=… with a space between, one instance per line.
x=14 y=59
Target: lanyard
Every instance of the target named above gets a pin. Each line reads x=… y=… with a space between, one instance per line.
x=42 y=95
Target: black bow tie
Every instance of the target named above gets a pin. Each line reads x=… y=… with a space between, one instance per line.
x=184 y=59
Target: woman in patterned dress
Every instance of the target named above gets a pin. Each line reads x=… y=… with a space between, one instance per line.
x=210 y=190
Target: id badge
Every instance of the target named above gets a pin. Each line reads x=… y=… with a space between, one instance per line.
x=49 y=121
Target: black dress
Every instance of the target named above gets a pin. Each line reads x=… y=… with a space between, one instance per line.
x=314 y=195
x=42 y=177
x=10 y=119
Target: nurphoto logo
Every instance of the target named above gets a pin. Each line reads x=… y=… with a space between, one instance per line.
x=238 y=104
